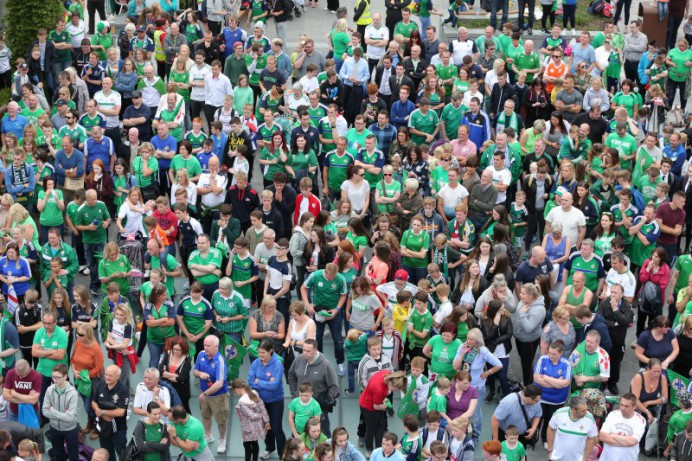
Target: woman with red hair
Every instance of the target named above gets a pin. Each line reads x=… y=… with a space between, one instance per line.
x=102 y=183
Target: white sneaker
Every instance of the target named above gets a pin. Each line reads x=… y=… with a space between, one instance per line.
x=186 y=285
x=545 y=445
x=341 y=370
x=146 y=274
x=222 y=446
x=266 y=454
x=209 y=438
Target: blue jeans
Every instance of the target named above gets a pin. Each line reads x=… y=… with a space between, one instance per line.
x=334 y=325
x=43 y=232
x=502 y=377
x=662 y=10
x=352 y=368
x=415 y=273
x=59 y=439
x=424 y=22
x=91 y=249
x=494 y=6
x=477 y=418
x=155 y=353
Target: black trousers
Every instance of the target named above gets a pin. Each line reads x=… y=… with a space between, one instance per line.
x=547 y=13
x=548 y=410
x=92 y=7
x=65 y=444
x=523 y=4
x=393 y=16
x=196 y=108
x=672 y=34
x=631 y=71
x=375 y=427
x=617 y=352
x=209 y=111
x=618 y=11
x=527 y=351
x=536 y=224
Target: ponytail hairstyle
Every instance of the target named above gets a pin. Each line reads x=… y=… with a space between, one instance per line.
x=240 y=384
x=397 y=380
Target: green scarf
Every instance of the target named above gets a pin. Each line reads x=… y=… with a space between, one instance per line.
x=512 y=121
x=440 y=258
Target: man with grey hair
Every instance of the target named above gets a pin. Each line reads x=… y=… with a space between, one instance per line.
x=101 y=454
x=111 y=399
x=152 y=88
x=210 y=368
x=150 y=391
x=572 y=432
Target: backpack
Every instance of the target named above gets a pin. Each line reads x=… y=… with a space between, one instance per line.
x=650 y=299
x=601 y=8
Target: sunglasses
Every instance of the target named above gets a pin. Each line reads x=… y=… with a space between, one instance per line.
x=557 y=56
x=387 y=174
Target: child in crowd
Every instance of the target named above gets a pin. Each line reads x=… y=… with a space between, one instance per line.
x=432 y=432
x=253 y=417
x=402 y=308
x=302 y=408
x=444 y=308
x=662 y=189
x=663 y=10
x=438 y=399
x=356 y=348
x=419 y=385
x=188 y=230
x=512 y=448
x=205 y=155
x=240 y=163
x=438 y=450
x=411 y=443
x=372 y=362
x=312 y=435
x=418 y=329
x=156 y=233
x=391 y=342
x=436 y=278
x=55 y=278
x=446 y=258
x=519 y=216
x=167 y=220
x=70 y=216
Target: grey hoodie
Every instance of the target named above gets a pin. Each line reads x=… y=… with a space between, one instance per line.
x=528 y=325
x=681 y=449
x=61 y=409
x=319 y=373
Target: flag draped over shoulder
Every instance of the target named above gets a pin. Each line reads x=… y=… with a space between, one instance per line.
x=234 y=352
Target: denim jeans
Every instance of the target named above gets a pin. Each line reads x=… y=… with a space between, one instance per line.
x=415 y=273
x=65 y=439
x=334 y=325
x=275 y=438
x=522 y=5
x=500 y=376
x=424 y=23
x=477 y=418
x=494 y=6
x=662 y=10
x=352 y=369
x=91 y=249
x=155 y=353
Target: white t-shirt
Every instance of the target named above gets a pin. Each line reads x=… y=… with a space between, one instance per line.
x=443 y=311
x=109 y=102
x=143 y=396
x=198 y=75
x=570 y=220
x=77 y=33
x=376 y=52
x=503 y=175
x=191 y=193
x=356 y=194
x=570 y=436
x=134 y=222
x=617 y=424
x=627 y=280
x=211 y=199
x=451 y=197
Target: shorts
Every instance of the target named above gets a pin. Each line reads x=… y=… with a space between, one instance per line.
x=519 y=242
x=216 y=406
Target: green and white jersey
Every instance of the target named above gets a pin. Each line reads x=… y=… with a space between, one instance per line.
x=317 y=114
x=326 y=293
x=571 y=435
x=637 y=251
x=196 y=140
x=336 y=168
x=78 y=134
x=626 y=145
x=191 y=165
x=213 y=257
x=518 y=216
x=229 y=307
x=425 y=123
x=109 y=101
x=421 y=322
x=242 y=270
x=356 y=141
x=592 y=269
x=451 y=116
x=195 y=314
x=590 y=364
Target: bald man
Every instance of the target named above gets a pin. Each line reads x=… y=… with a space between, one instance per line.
x=111 y=399
x=572 y=219
x=210 y=368
x=537 y=264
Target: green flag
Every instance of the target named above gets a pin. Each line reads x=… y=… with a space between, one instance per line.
x=234 y=354
x=678 y=383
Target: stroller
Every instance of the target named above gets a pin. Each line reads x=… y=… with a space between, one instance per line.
x=134 y=252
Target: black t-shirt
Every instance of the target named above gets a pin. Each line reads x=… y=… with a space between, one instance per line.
x=27 y=317
x=526 y=273
x=270 y=79
x=597 y=128
x=111 y=399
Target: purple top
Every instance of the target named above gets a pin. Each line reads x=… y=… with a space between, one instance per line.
x=456 y=408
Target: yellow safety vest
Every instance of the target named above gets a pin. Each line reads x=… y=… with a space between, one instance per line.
x=365 y=19
x=159 y=54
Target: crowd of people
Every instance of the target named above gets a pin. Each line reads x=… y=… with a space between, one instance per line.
x=434 y=205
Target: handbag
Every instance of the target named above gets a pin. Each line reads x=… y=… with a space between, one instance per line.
x=533 y=440
x=131 y=452
x=74 y=183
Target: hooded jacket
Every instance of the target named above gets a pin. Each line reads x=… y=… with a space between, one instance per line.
x=61 y=409
x=350 y=453
x=681 y=449
x=433 y=225
x=487 y=296
x=319 y=373
x=527 y=325
x=369 y=366
x=270 y=384
x=599 y=324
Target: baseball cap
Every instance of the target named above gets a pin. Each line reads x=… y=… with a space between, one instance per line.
x=141 y=29
x=401 y=274
x=24 y=66
x=61 y=102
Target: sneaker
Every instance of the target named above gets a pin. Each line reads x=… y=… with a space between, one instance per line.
x=209 y=438
x=186 y=285
x=530 y=30
x=348 y=393
x=266 y=454
x=146 y=274
x=545 y=446
x=341 y=369
x=634 y=344
x=368 y=453
x=222 y=446
x=83 y=269
x=95 y=292
x=361 y=442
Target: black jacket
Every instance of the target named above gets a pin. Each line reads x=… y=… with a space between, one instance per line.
x=599 y=324
x=483 y=285
x=211 y=52
x=285 y=7
x=20 y=432
x=623 y=317
x=498 y=96
x=529 y=186
x=244 y=202
x=405 y=80
x=274 y=221
x=494 y=335
x=49 y=57
x=415 y=73
x=234 y=140
x=332 y=94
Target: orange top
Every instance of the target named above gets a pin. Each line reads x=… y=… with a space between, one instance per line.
x=86 y=357
x=554 y=71
x=160 y=235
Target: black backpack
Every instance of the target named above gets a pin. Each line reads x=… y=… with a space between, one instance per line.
x=650 y=299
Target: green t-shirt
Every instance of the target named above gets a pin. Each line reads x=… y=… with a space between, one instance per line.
x=588 y=268
x=460 y=85
x=628 y=101
x=648 y=187
x=425 y=123
x=684 y=267
x=64 y=37
x=181 y=77
x=445 y=73
x=326 y=293
x=153 y=433
x=451 y=117
x=71 y=211
x=439 y=177
x=137 y=167
x=505 y=43
x=614 y=65
x=303 y=412
x=172 y=263
x=196 y=140
x=96 y=214
x=213 y=257
x=514 y=454
x=358 y=241
x=587 y=365
x=340 y=41
x=405 y=29
x=437 y=402
x=243 y=269
x=415 y=242
x=105 y=41
x=387 y=190
x=108 y=268
x=337 y=168
x=261 y=64
x=234 y=305
x=194 y=314
x=268 y=171
x=33 y=115
x=356 y=350
x=443 y=355
x=356 y=141
x=51 y=215
x=78 y=134
x=158 y=335
x=522 y=61
x=265 y=132
x=58 y=340
x=518 y=216
x=191 y=430
x=420 y=322
x=680 y=71
x=303 y=160
x=462 y=331
x=626 y=145
x=191 y=165
x=639 y=252
x=170 y=116
x=412 y=446
x=598 y=40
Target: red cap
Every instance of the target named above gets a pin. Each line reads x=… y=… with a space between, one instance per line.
x=401 y=274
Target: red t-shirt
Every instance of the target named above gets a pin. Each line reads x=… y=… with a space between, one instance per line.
x=670 y=218
x=375 y=392
x=31 y=382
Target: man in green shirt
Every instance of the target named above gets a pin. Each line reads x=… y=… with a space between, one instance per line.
x=173 y=116
x=624 y=143
x=56 y=248
x=194 y=317
x=171 y=269
x=242 y=268
x=334 y=169
x=187 y=433
x=50 y=346
x=405 y=27
x=205 y=265
x=423 y=123
x=92 y=221
x=328 y=298
x=447 y=72
x=527 y=61
x=62 y=40
x=590 y=363
x=681 y=274
x=356 y=136
x=586 y=261
x=450 y=120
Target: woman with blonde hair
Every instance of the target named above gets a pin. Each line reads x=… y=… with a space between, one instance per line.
x=434 y=92
x=83 y=309
x=461 y=439
x=117 y=266
x=119 y=341
x=529 y=136
x=372 y=403
x=182 y=181
x=20 y=217
x=28 y=450
x=338 y=42
x=267 y=323
x=132 y=211
x=559 y=328
x=300 y=327
x=184 y=55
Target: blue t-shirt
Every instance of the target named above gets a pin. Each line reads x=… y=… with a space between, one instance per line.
x=167 y=145
x=203 y=159
x=563 y=369
x=15 y=126
x=102 y=150
x=588 y=55
x=18 y=268
x=215 y=368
